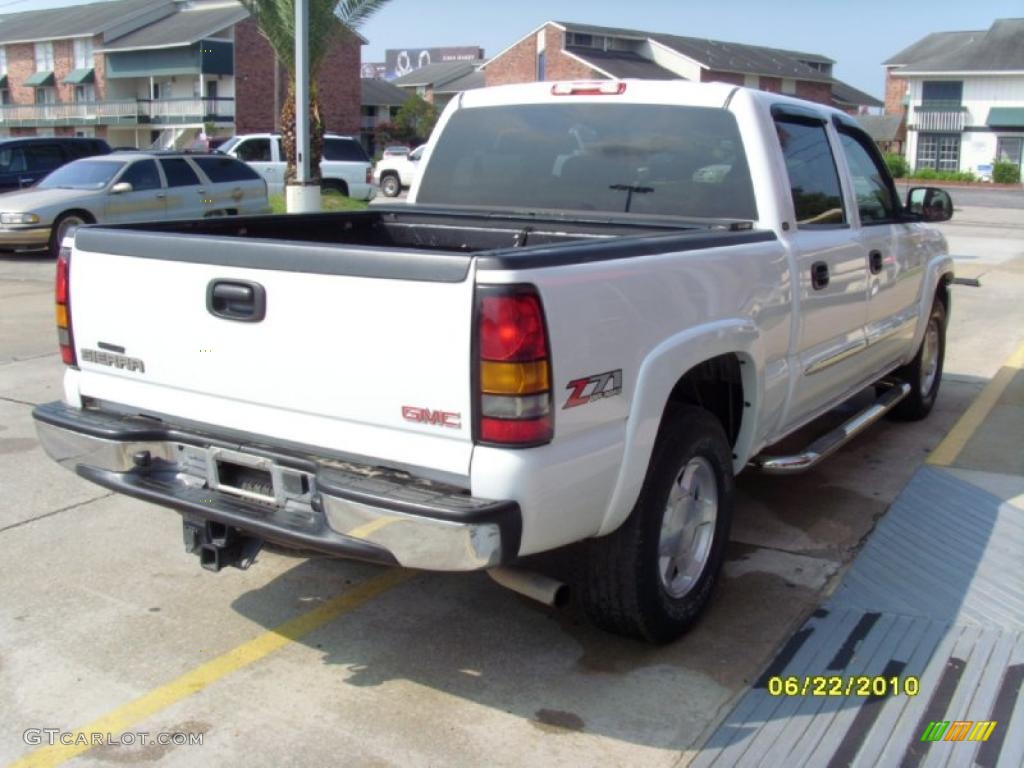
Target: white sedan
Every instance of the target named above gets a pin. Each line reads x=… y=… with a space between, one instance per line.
x=128 y=187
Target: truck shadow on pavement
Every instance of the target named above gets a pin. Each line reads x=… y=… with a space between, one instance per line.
x=463 y=635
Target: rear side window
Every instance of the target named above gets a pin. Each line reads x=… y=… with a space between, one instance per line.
x=348 y=150
x=813 y=178
x=85 y=148
x=253 y=151
x=80 y=149
x=222 y=169
x=12 y=160
x=44 y=157
x=179 y=173
x=142 y=175
x=635 y=158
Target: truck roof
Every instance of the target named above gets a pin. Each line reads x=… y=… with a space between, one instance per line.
x=683 y=92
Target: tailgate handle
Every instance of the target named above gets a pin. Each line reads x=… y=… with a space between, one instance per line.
x=240 y=300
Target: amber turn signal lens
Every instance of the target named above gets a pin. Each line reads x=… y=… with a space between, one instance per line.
x=514 y=378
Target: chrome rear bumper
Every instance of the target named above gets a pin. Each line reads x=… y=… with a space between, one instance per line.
x=334 y=507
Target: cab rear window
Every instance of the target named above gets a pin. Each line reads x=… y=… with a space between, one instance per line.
x=348 y=150
x=220 y=169
x=633 y=158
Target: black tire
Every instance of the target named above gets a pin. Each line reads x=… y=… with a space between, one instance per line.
x=390 y=185
x=335 y=185
x=918 y=373
x=61 y=226
x=623 y=589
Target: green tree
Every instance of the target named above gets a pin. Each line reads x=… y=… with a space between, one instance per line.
x=329 y=22
x=415 y=120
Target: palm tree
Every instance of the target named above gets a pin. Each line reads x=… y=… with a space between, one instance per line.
x=329 y=21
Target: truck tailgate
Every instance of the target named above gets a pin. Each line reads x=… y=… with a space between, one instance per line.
x=363 y=352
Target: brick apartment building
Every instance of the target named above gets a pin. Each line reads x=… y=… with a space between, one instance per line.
x=145 y=72
x=558 y=50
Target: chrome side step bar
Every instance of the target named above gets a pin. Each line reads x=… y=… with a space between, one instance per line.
x=829 y=443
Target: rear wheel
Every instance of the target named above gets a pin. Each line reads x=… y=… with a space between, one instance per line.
x=390 y=185
x=65 y=224
x=924 y=372
x=335 y=185
x=653 y=576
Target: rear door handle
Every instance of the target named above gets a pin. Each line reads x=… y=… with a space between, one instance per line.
x=875 y=262
x=819 y=275
x=241 y=300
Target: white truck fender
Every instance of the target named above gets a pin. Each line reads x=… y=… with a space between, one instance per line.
x=939 y=268
x=659 y=372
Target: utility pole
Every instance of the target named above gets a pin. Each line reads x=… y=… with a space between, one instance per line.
x=301 y=91
x=302 y=197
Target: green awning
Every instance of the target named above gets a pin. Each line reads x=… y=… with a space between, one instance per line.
x=1006 y=117
x=3 y=82
x=80 y=76
x=40 y=80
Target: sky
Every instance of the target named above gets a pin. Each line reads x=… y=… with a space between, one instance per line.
x=858 y=35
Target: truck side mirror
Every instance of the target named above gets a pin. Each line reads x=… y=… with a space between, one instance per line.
x=930 y=203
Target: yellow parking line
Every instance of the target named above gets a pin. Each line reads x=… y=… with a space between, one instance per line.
x=949 y=449
x=120 y=719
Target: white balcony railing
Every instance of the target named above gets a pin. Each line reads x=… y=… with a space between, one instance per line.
x=942 y=118
x=180 y=108
x=123 y=110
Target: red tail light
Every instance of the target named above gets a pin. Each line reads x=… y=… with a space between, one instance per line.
x=514 y=371
x=589 y=88
x=369 y=174
x=62 y=298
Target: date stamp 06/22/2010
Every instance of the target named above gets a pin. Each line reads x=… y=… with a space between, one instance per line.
x=844 y=685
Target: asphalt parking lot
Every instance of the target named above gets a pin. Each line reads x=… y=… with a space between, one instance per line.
x=108 y=626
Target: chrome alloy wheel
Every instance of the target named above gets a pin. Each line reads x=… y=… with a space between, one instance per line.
x=929 y=357
x=688 y=527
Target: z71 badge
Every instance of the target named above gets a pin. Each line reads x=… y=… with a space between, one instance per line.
x=594 y=387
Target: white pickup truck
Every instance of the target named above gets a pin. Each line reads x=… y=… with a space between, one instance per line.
x=393 y=173
x=345 y=167
x=603 y=301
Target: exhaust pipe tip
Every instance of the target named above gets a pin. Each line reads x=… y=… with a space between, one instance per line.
x=533 y=585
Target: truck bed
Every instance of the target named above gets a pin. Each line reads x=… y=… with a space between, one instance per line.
x=383 y=239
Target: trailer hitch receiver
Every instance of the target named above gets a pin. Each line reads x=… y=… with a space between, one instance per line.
x=219 y=545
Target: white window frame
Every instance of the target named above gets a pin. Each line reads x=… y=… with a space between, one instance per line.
x=84 y=93
x=44 y=57
x=83 y=53
x=789 y=86
x=3 y=60
x=1017 y=139
x=751 y=81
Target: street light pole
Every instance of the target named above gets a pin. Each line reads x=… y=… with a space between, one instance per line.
x=302 y=197
x=302 y=91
